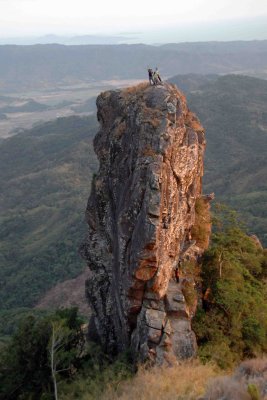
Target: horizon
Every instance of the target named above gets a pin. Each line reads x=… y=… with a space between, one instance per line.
x=254 y=29
x=195 y=20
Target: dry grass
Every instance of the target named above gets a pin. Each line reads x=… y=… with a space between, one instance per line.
x=153 y=116
x=196 y=125
x=252 y=368
x=190 y=294
x=135 y=89
x=226 y=388
x=253 y=373
x=193 y=122
x=182 y=382
x=188 y=381
x=194 y=381
x=249 y=382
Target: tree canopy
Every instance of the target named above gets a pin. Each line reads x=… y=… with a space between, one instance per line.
x=232 y=323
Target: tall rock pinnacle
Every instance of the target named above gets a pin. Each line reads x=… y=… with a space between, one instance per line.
x=140 y=214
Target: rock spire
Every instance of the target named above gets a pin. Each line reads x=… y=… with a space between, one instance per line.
x=141 y=214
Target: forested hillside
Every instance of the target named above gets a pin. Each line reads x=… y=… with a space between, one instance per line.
x=233 y=109
x=45 y=176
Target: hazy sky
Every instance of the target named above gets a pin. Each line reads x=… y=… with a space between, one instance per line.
x=31 y=17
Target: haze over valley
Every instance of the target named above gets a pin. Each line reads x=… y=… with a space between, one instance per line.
x=43 y=82
x=24 y=109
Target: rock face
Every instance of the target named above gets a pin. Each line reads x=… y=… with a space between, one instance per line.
x=140 y=215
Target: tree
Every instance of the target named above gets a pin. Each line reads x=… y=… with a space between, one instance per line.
x=63 y=349
x=41 y=350
x=59 y=338
x=232 y=323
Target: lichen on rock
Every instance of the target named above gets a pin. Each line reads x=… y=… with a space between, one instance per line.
x=140 y=216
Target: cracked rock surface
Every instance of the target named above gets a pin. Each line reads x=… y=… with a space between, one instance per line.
x=140 y=214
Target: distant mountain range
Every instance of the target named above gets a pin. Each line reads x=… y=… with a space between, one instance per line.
x=66 y=40
x=219 y=30
x=47 y=66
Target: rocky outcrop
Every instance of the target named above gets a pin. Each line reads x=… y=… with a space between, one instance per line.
x=140 y=215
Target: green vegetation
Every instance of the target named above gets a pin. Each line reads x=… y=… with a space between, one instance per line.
x=233 y=111
x=10 y=319
x=84 y=372
x=45 y=349
x=45 y=176
x=232 y=324
x=98 y=372
x=24 y=365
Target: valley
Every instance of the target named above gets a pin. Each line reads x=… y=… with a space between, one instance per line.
x=23 y=110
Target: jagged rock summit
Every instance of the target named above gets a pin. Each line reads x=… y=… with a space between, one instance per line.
x=140 y=214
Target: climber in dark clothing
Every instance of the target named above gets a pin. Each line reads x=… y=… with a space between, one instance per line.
x=150 y=76
x=177 y=272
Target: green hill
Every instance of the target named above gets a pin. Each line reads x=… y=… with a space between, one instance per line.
x=45 y=176
x=191 y=82
x=233 y=109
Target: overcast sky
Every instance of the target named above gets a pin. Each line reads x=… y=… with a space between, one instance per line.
x=31 y=17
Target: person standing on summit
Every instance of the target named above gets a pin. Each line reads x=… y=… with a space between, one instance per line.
x=157 y=77
x=150 y=76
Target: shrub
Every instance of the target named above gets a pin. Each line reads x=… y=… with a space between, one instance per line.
x=202 y=226
x=232 y=324
x=24 y=364
x=136 y=89
x=98 y=372
x=190 y=294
